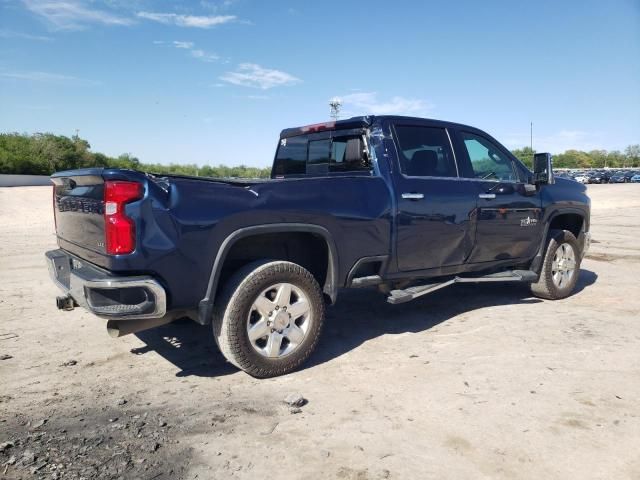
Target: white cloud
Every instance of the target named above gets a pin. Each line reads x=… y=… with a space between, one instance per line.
x=25 y=36
x=193 y=52
x=255 y=76
x=179 y=44
x=195 y=21
x=72 y=14
x=217 y=6
x=36 y=76
x=369 y=103
x=204 y=56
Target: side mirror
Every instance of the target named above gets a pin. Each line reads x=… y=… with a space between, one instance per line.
x=543 y=168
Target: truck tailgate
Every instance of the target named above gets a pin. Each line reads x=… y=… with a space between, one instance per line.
x=78 y=204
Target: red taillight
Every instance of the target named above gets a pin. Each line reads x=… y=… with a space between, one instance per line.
x=119 y=230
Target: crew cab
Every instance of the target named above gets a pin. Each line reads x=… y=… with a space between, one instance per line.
x=405 y=205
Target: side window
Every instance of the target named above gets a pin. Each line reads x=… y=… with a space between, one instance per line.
x=347 y=155
x=291 y=158
x=425 y=152
x=487 y=160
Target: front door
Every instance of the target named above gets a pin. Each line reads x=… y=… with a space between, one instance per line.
x=435 y=208
x=509 y=222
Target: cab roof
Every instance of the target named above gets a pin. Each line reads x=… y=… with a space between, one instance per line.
x=363 y=122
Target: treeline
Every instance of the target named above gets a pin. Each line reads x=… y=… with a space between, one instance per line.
x=45 y=153
x=592 y=159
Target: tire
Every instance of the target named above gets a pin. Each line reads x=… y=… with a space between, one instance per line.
x=261 y=287
x=553 y=284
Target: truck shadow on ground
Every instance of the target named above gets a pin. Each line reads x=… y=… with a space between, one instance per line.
x=360 y=315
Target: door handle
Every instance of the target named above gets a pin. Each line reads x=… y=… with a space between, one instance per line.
x=413 y=196
x=487 y=196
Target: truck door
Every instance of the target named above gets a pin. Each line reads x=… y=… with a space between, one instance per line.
x=435 y=208
x=508 y=213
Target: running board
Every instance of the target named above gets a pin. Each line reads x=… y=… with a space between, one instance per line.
x=411 y=293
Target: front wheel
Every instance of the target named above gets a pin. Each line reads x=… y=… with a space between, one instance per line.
x=560 y=268
x=269 y=318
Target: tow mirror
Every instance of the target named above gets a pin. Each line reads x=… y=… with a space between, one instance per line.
x=543 y=168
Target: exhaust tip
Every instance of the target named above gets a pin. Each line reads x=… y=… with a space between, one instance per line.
x=65 y=303
x=120 y=328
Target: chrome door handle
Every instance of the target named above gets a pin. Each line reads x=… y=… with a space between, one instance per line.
x=413 y=196
x=488 y=196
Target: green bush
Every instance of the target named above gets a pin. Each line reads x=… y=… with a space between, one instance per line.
x=45 y=153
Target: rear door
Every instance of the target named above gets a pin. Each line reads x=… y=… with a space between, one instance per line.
x=434 y=221
x=508 y=213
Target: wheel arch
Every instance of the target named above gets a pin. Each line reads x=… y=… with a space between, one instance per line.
x=329 y=288
x=574 y=218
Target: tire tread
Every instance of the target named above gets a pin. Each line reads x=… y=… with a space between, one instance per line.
x=232 y=302
x=544 y=287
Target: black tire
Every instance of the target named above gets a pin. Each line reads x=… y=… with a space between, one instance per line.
x=233 y=308
x=546 y=287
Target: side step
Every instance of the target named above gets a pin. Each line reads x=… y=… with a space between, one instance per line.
x=366 y=281
x=411 y=293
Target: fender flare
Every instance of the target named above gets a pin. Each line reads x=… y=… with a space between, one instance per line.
x=330 y=288
x=536 y=263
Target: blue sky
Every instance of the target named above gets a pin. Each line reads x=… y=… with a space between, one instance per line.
x=215 y=81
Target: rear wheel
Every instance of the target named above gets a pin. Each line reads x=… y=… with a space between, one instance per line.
x=269 y=318
x=561 y=267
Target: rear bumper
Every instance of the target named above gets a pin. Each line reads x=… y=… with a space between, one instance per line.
x=104 y=294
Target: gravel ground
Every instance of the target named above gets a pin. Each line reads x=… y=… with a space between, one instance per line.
x=469 y=382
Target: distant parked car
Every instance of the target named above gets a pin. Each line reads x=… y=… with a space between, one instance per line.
x=582 y=178
x=617 y=178
x=635 y=178
x=628 y=174
x=595 y=177
x=566 y=175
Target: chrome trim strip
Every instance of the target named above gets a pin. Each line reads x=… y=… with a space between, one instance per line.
x=413 y=196
x=455 y=159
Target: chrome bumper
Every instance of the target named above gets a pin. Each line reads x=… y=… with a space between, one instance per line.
x=104 y=294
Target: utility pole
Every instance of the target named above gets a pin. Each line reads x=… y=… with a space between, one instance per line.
x=335 y=104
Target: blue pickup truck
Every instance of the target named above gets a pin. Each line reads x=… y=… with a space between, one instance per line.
x=404 y=205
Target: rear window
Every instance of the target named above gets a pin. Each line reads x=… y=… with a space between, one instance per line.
x=291 y=158
x=302 y=155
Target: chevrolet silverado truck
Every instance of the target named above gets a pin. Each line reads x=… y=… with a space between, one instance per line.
x=404 y=205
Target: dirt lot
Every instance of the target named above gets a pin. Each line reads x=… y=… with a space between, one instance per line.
x=470 y=382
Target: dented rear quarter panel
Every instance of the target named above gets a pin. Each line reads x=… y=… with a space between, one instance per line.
x=180 y=229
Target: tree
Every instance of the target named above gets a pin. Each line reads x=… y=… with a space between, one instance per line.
x=598 y=158
x=632 y=152
x=525 y=155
